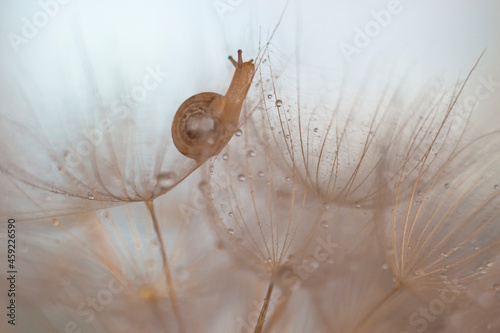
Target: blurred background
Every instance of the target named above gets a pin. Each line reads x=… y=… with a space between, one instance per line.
x=62 y=61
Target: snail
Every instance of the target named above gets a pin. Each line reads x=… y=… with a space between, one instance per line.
x=206 y=122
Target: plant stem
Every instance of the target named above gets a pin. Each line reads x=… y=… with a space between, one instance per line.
x=168 y=275
x=263 y=311
x=374 y=309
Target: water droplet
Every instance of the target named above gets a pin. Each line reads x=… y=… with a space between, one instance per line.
x=55 y=222
x=269 y=260
x=210 y=141
x=230 y=215
x=357 y=205
x=224 y=157
x=316 y=130
x=91 y=196
x=269 y=96
x=230 y=231
x=165 y=180
x=496 y=187
x=261 y=173
x=251 y=153
x=287 y=179
x=444 y=254
x=321 y=254
x=238 y=132
x=241 y=177
x=203 y=186
x=279 y=103
x=496 y=288
x=310 y=264
x=324 y=224
x=385 y=267
x=446 y=185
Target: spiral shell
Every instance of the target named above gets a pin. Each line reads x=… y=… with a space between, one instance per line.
x=198 y=130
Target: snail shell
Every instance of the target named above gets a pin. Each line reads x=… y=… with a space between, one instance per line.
x=206 y=122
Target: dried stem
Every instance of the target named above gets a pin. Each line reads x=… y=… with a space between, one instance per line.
x=168 y=275
x=263 y=311
x=374 y=309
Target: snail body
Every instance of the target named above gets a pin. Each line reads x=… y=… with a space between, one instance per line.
x=206 y=122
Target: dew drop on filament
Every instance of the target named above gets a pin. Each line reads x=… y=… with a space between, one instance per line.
x=203 y=186
x=496 y=288
x=165 y=180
